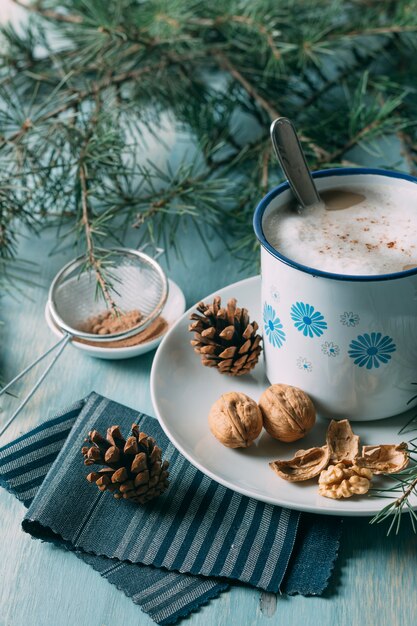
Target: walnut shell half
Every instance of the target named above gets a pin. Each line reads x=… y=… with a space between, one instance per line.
x=235 y=420
x=304 y=465
x=384 y=459
x=288 y=413
x=342 y=442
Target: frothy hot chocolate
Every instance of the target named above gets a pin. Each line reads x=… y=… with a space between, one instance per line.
x=359 y=229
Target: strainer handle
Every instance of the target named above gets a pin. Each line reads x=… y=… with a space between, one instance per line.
x=61 y=343
x=29 y=367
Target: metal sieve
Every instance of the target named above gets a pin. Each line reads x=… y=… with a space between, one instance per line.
x=137 y=282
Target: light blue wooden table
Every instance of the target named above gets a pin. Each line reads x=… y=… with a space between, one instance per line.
x=375 y=577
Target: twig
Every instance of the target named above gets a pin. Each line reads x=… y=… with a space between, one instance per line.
x=49 y=14
x=407 y=493
x=248 y=21
x=333 y=156
x=265 y=168
x=155 y=206
x=409 y=151
x=338 y=78
x=92 y=259
x=79 y=96
x=384 y=30
x=227 y=65
x=239 y=19
x=264 y=104
x=155 y=203
x=244 y=19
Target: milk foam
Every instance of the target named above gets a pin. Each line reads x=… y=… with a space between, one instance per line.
x=376 y=236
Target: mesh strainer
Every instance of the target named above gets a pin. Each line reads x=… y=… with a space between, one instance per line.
x=137 y=283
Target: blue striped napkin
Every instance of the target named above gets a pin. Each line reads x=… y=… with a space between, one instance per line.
x=198 y=536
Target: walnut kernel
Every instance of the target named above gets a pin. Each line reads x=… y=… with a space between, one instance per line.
x=341 y=481
x=288 y=413
x=235 y=420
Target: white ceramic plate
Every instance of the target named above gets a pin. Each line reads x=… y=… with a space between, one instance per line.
x=173 y=309
x=183 y=392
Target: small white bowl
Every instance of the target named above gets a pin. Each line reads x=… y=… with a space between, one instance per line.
x=173 y=309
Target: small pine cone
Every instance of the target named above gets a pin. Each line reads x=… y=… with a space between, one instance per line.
x=133 y=467
x=225 y=337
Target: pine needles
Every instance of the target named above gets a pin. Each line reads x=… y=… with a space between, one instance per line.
x=403 y=489
x=219 y=71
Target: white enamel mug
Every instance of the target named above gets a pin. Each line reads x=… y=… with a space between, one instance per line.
x=349 y=341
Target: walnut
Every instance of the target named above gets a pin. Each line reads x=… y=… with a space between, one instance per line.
x=384 y=459
x=343 y=444
x=348 y=473
x=288 y=413
x=305 y=464
x=341 y=481
x=235 y=420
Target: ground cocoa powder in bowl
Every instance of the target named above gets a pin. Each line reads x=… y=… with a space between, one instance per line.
x=107 y=323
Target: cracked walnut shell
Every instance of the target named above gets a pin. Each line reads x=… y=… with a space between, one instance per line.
x=343 y=443
x=288 y=413
x=341 y=481
x=385 y=458
x=304 y=465
x=235 y=420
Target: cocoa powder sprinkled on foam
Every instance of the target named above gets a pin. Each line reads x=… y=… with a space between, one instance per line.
x=375 y=236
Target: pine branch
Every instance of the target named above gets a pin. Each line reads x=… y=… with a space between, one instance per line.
x=409 y=151
x=77 y=97
x=386 y=30
x=264 y=104
x=151 y=62
x=268 y=107
x=353 y=141
x=265 y=169
x=399 y=503
x=93 y=261
x=246 y=20
x=361 y=61
x=405 y=482
x=48 y=14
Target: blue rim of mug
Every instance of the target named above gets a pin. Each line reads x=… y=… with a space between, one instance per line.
x=345 y=171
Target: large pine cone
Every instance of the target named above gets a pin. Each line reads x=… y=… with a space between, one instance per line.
x=225 y=337
x=133 y=468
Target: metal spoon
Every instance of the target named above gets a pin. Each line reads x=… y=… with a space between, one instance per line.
x=290 y=154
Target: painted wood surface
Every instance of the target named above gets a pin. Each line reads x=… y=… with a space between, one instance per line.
x=41 y=585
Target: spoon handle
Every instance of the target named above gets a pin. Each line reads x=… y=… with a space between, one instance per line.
x=292 y=160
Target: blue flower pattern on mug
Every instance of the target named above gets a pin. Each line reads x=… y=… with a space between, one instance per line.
x=273 y=327
x=370 y=350
x=329 y=348
x=304 y=364
x=308 y=321
x=275 y=293
x=349 y=319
